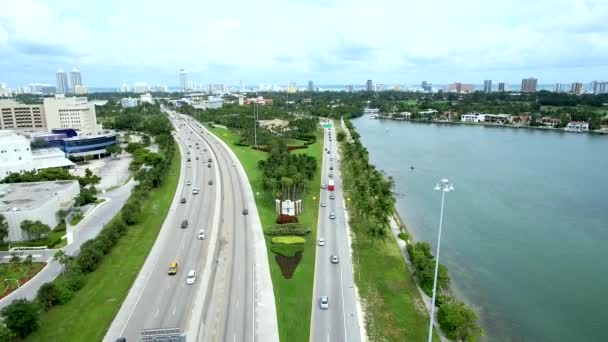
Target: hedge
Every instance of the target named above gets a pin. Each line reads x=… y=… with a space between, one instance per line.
x=287 y=229
x=282 y=219
x=289 y=240
x=286 y=250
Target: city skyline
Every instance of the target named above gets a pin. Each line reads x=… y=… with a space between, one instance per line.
x=349 y=43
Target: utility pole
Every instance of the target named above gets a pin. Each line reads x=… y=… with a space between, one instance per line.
x=255 y=125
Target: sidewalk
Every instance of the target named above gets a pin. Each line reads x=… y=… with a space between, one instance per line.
x=88 y=228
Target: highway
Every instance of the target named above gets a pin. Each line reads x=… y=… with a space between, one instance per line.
x=339 y=322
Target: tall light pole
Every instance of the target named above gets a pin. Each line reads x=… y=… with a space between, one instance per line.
x=443 y=186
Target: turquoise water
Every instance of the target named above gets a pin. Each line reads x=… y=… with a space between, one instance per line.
x=525 y=232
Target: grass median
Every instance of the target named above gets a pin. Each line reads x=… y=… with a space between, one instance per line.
x=88 y=315
x=293 y=297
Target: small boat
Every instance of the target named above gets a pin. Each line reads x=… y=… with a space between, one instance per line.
x=411 y=167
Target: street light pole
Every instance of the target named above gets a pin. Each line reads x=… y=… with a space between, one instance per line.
x=444 y=186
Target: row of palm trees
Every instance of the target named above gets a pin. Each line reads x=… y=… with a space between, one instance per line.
x=371 y=191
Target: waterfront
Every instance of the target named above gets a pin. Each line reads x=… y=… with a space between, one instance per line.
x=525 y=231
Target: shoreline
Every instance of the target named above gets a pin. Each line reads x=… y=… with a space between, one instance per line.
x=491 y=125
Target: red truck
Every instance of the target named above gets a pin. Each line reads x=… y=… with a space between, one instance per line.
x=330 y=185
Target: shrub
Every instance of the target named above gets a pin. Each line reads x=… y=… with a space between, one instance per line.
x=289 y=240
x=459 y=322
x=288 y=229
x=21 y=317
x=89 y=257
x=75 y=281
x=48 y=295
x=286 y=250
x=282 y=219
x=403 y=236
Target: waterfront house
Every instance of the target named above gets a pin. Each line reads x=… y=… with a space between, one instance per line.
x=428 y=112
x=498 y=118
x=550 y=122
x=522 y=119
x=577 y=126
x=472 y=117
x=449 y=116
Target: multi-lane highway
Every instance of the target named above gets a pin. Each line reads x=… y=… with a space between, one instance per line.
x=338 y=322
x=220 y=305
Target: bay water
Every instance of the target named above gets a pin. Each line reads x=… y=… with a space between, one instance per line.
x=525 y=233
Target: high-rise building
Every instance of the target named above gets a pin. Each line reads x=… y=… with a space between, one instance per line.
x=487 y=86
x=349 y=88
x=369 y=85
x=576 y=88
x=310 y=86
x=593 y=87
x=70 y=112
x=141 y=87
x=124 y=88
x=528 y=85
x=602 y=87
x=502 y=87
x=183 y=80
x=397 y=87
x=558 y=88
x=460 y=88
x=62 y=82
x=292 y=87
x=76 y=79
x=5 y=91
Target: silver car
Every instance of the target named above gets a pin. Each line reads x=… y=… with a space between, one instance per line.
x=323 y=186
x=191 y=278
x=323 y=204
x=321 y=242
x=335 y=259
x=332 y=216
x=201 y=234
x=324 y=302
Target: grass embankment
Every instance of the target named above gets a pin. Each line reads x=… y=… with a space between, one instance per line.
x=293 y=296
x=394 y=310
x=87 y=316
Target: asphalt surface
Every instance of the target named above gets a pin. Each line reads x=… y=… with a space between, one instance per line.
x=220 y=305
x=340 y=321
x=87 y=229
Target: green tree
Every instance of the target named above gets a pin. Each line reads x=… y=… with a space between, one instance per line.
x=340 y=136
x=28 y=261
x=5 y=333
x=3 y=228
x=131 y=212
x=48 y=295
x=63 y=259
x=35 y=229
x=86 y=196
x=114 y=150
x=459 y=322
x=21 y=317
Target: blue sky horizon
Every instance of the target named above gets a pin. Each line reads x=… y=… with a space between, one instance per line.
x=327 y=41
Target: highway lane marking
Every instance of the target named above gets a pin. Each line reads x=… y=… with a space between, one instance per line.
x=174 y=308
x=157 y=311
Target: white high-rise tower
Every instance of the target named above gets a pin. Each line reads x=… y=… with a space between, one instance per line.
x=183 y=80
x=62 y=82
x=76 y=79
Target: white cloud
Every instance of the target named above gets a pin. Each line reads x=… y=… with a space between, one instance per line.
x=332 y=41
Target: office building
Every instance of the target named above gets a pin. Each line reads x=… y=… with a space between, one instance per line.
x=502 y=87
x=216 y=89
x=70 y=144
x=558 y=87
x=528 y=85
x=124 y=88
x=487 y=86
x=576 y=88
x=71 y=112
x=183 y=81
x=593 y=87
x=349 y=88
x=14 y=115
x=16 y=155
x=146 y=98
x=128 y=102
x=602 y=87
x=310 y=87
x=292 y=89
x=62 y=82
x=426 y=86
x=36 y=201
x=369 y=85
x=76 y=78
x=460 y=88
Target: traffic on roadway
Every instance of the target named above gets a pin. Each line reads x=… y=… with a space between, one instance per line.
x=334 y=311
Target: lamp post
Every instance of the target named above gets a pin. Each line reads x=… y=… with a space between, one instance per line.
x=443 y=186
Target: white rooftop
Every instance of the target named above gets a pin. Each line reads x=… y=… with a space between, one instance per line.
x=29 y=196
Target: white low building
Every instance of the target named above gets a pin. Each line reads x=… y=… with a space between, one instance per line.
x=146 y=98
x=472 y=117
x=577 y=126
x=128 y=102
x=37 y=201
x=16 y=155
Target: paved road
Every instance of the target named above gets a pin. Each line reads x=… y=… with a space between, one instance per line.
x=340 y=321
x=88 y=228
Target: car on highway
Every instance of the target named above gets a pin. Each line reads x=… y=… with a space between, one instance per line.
x=201 y=234
x=184 y=224
x=324 y=302
x=188 y=183
x=195 y=191
x=331 y=159
x=189 y=145
x=173 y=268
x=328 y=152
x=210 y=182
x=323 y=204
x=321 y=242
x=323 y=186
x=188 y=159
x=331 y=197
x=208 y=165
x=196 y=157
x=335 y=259
x=191 y=277
x=331 y=175
x=209 y=160
x=332 y=216
x=331 y=168
x=183 y=200
x=189 y=165
x=245 y=211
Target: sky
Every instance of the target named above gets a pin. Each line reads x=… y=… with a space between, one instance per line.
x=327 y=41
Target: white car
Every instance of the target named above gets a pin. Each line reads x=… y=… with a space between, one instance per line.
x=201 y=234
x=191 y=277
x=335 y=259
x=195 y=191
x=189 y=165
x=324 y=302
x=332 y=216
x=323 y=204
x=188 y=183
x=323 y=186
x=321 y=242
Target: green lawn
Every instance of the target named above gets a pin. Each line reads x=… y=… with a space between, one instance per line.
x=394 y=310
x=89 y=314
x=293 y=296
